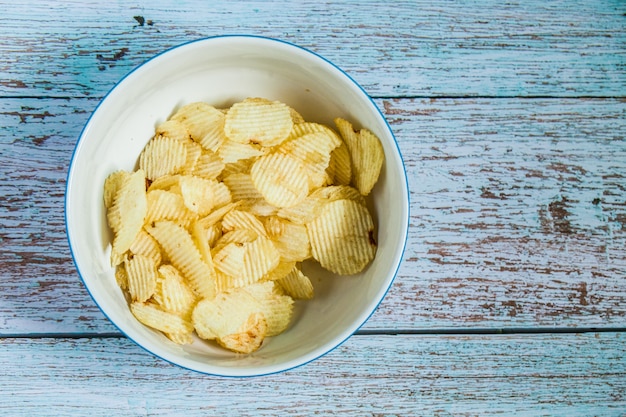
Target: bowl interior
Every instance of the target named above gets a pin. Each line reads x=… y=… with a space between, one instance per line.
x=222 y=71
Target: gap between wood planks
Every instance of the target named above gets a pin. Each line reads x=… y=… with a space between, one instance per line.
x=374 y=332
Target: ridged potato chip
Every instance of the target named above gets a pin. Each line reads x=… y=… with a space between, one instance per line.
x=167 y=205
x=180 y=248
x=238 y=219
x=162 y=155
x=145 y=245
x=153 y=316
x=291 y=239
x=249 y=337
x=258 y=121
x=209 y=165
x=313 y=151
x=112 y=184
x=281 y=179
x=141 y=273
x=297 y=285
x=127 y=213
x=223 y=315
x=342 y=237
x=177 y=297
x=173 y=129
x=276 y=307
x=341 y=164
x=204 y=123
x=366 y=154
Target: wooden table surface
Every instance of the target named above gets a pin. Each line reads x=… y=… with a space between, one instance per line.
x=511 y=299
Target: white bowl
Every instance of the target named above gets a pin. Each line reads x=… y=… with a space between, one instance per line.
x=220 y=71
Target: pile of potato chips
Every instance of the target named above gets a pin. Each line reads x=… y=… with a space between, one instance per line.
x=211 y=229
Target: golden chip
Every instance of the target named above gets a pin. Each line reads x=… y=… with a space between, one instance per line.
x=276 y=307
x=258 y=121
x=248 y=337
x=204 y=123
x=162 y=155
x=366 y=155
x=342 y=167
x=342 y=237
x=231 y=151
x=145 y=245
x=281 y=179
x=339 y=192
x=238 y=219
x=127 y=213
x=313 y=151
x=180 y=248
x=198 y=194
x=151 y=315
x=194 y=151
x=141 y=273
x=291 y=239
x=297 y=285
x=172 y=129
x=209 y=165
x=112 y=184
x=166 y=205
x=176 y=295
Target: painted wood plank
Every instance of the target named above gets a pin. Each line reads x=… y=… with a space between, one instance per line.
x=518 y=216
x=530 y=375
x=394 y=49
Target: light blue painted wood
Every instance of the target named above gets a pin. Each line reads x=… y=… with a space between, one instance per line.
x=399 y=48
x=530 y=375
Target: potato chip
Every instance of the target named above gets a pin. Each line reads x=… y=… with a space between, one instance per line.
x=366 y=155
x=303 y=212
x=297 y=285
x=238 y=219
x=275 y=307
x=166 y=205
x=342 y=237
x=173 y=129
x=194 y=151
x=151 y=315
x=141 y=273
x=258 y=121
x=339 y=192
x=342 y=166
x=181 y=338
x=248 y=337
x=162 y=155
x=127 y=213
x=176 y=295
x=246 y=262
x=209 y=165
x=281 y=271
x=281 y=179
x=241 y=187
x=231 y=151
x=201 y=240
x=291 y=239
x=198 y=194
x=180 y=248
x=112 y=184
x=218 y=214
x=121 y=277
x=305 y=128
x=204 y=123
x=223 y=315
x=313 y=151
x=166 y=183
x=145 y=245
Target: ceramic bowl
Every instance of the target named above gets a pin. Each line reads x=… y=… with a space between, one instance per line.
x=220 y=71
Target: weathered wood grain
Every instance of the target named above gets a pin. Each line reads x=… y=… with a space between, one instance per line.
x=531 y=375
x=394 y=49
x=518 y=216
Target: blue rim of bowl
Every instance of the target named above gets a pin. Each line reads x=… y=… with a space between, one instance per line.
x=76 y=147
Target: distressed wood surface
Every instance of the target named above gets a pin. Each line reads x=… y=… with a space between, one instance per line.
x=518 y=216
x=531 y=375
x=511 y=118
x=393 y=48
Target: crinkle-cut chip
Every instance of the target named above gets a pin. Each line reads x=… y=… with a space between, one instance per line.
x=282 y=270
x=297 y=285
x=221 y=194
x=342 y=237
x=162 y=155
x=145 y=245
x=198 y=194
x=200 y=238
x=247 y=262
x=241 y=187
x=339 y=192
x=177 y=297
x=127 y=213
x=112 y=184
x=141 y=272
x=259 y=207
x=282 y=180
x=181 y=250
x=241 y=166
x=209 y=165
x=291 y=239
x=295 y=116
x=249 y=336
x=153 y=316
x=239 y=237
x=276 y=307
x=165 y=182
x=231 y=151
x=121 y=277
x=366 y=154
x=218 y=214
x=228 y=258
x=213 y=234
x=303 y=212
x=224 y=314
x=194 y=151
x=258 y=121
x=238 y=219
x=201 y=120
x=342 y=167
x=313 y=151
x=166 y=205
x=172 y=129
x=181 y=338
x=305 y=128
